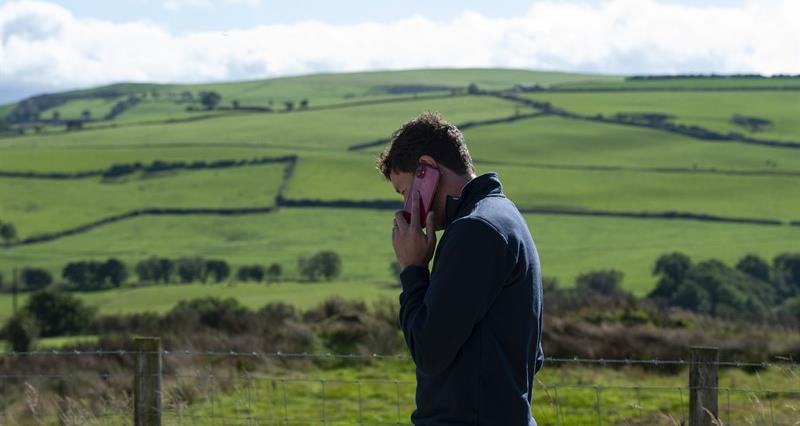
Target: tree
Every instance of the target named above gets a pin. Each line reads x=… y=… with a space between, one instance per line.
x=219 y=270
x=146 y=270
x=165 y=269
x=473 y=89
x=325 y=264
x=78 y=274
x=21 y=332
x=754 y=266
x=58 y=313
x=235 y=104
x=114 y=272
x=672 y=269
x=86 y=115
x=8 y=232
x=36 y=278
x=155 y=270
x=788 y=266
x=56 y=117
x=274 y=272
x=191 y=269
x=711 y=287
x=603 y=282
x=304 y=104
x=251 y=273
x=210 y=99
x=289 y=106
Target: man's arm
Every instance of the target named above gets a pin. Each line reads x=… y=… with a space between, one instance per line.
x=439 y=311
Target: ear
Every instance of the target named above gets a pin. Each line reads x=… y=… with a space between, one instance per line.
x=427 y=159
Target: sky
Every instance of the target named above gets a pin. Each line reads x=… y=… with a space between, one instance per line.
x=49 y=46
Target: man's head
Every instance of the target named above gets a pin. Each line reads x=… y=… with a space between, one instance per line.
x=428 y=139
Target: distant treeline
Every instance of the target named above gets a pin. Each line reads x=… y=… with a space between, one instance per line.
x=94 y=275
x=119 y=170
x=693 y=303
x=708 y=76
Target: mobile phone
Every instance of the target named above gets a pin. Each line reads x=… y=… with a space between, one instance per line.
x=426 y=178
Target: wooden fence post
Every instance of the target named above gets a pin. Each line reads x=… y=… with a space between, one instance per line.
x=147 y=382
x=703 y=384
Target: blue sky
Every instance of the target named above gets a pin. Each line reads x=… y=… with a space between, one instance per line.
x=52 y=45
x=182 y=16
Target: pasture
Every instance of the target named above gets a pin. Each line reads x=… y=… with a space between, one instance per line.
x=561 y=171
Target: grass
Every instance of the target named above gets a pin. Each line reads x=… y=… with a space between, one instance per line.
x=38 y=206
x=683 y=83
x=343 y=176
x=323 y=130
x=77 y=158
x=160 y=299
x=568 y=246
x=73 y=109
x=770 y=197
x=560 y=141
x=712 y=110
x=533 y=157
x=383 y=392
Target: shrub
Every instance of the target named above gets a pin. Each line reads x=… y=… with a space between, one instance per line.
x=92 y=275
x=219 y=270
x=21 y=332
x=274 y=272
x=250 y=273
x=221 y=314
x=603 y=282
x=191 y=269
x=155 y=270
x=325 y=264
x=59 y=314
x=36 y=279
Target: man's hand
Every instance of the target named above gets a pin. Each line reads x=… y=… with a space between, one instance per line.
x=411 y=245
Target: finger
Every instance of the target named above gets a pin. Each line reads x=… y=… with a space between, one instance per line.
x=415 y=210
x=430 y=231
x=400 y=219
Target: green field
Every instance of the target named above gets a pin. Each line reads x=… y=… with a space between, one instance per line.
x=545 y=162
x=712 y=110
x=67 y=200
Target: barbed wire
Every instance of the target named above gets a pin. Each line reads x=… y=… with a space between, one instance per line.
x=779 y=361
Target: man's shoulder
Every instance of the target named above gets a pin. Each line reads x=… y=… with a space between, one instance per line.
x=475 y=227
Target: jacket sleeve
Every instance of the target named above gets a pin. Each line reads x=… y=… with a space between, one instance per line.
x=439 y=311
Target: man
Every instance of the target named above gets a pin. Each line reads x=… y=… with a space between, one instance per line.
x=473 y=323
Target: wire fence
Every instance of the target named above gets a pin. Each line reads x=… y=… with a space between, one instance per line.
x=104 y=387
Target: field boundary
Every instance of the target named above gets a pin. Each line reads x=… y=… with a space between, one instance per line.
x=666 y=170
x=154 y=211
x=282 y=201
x=665 y=89
x=116 y=170
x=461 y=126
x=567 y=211
x=695 y=132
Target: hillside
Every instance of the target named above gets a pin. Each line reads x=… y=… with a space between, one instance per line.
x=609 y=173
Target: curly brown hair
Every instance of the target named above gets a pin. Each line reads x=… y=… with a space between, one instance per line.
x=427 y=134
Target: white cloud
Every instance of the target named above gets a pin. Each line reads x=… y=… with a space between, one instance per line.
x=175 y=5
x=43 y=44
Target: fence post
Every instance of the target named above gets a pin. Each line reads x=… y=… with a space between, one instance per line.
x=703 y=384
x=147 y=382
